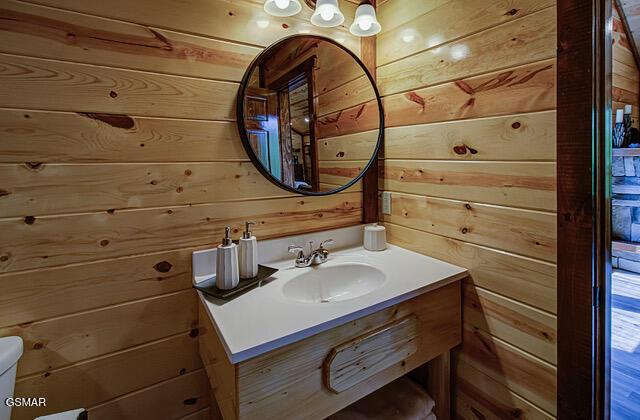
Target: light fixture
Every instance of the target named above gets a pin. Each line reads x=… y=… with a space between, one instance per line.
x=365 y=23
x=327 y=14
x=282 y=8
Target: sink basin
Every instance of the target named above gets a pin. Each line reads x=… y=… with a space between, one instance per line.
x=339 y=282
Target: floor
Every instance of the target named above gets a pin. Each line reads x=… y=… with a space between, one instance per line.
x=625 y=343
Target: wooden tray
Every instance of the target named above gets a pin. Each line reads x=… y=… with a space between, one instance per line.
x=208 y=286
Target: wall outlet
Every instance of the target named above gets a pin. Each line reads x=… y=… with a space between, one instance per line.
x=386 y=202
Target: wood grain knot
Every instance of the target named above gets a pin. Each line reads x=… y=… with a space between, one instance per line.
x=516 y=125
x=340 y=154
x=163 y=267
x=29 y=220
x=191 y=401
x=460 y=150
x=463 y=149
x=467 y=206
x=113 y=94
x=38 y=346
x=34 y=166
x=194 y=333
x=4 y=193
x=512 y=12
x=285 y=26
x=104 y=242
x=516 y=413
x=464 y=230
x=188 y=172
x=4 y=258
x=114 y=120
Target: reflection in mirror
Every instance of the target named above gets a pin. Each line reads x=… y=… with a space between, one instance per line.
x=311 y=115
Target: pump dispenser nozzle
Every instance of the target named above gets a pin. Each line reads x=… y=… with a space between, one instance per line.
x=247 y=230
x=226 y=241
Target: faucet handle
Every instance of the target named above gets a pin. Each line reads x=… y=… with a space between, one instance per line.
x=327 y=242
x=295 y=248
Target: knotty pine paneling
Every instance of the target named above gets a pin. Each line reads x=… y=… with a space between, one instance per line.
x=93 y=381
x=470 y=148
x=495 y=48
x=527 y=88
x=521 y=137
x=527 y=375
x=76 y=137
x=169 y=399
x=523 y=279
x=526 y=232
x=35 y=83
x=231 y=20
x=517 y=184
x=474 y=401
x=119 y=157
x=46 y=188
x=100 y=331
x=30 y=29
x=45 y=293
x=427 y=28
x=73 y=238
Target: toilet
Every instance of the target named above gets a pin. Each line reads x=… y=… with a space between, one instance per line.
x=10 y=352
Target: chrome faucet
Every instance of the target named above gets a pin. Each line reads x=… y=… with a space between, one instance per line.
x=315 y=256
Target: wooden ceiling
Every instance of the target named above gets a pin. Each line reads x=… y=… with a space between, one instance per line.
x=630 y=13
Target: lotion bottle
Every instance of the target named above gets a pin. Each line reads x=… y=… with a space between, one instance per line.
x=227 y=276
x=248 y=253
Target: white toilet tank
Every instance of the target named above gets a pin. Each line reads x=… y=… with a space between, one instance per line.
x=10 y=352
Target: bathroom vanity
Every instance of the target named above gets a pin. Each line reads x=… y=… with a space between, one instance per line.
x=310 y=341
x=330 y=326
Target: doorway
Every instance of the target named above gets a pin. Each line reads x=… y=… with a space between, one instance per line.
x=623 y=307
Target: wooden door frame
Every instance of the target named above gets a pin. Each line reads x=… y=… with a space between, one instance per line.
x=584 y=210
x=306 y=69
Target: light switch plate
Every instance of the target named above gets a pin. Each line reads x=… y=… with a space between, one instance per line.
x=386 y=202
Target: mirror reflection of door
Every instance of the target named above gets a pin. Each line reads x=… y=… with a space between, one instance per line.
x=300 y=116
x=262 y=127
x=295 y=92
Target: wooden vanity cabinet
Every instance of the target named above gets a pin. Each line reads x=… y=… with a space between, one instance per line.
x=318 y=376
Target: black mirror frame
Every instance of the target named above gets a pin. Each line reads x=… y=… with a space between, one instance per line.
x=240 y=116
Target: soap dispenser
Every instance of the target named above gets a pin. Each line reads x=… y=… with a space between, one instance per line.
x=227 y=276
x=248 y=253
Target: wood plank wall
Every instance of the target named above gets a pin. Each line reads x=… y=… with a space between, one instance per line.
x=118 y=157
x=626 y=77
x=343 y=153
x=470 y=94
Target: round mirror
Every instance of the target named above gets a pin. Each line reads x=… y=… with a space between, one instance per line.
x=310 y=115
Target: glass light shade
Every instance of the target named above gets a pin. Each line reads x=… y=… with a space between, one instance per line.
x=327 y=14
x=365 y=23
x=282 y=8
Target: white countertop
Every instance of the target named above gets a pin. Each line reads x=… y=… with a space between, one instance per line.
x=263 y=319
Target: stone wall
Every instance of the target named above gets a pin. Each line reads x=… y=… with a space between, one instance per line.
x=626 y=205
